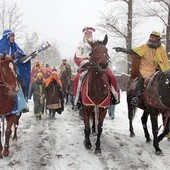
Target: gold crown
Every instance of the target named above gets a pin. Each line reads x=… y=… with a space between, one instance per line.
x=156 y=33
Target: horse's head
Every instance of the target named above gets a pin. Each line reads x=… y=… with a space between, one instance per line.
x=8 y=75
x=99 y=55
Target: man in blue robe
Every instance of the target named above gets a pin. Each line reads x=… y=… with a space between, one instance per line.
x=8 y=45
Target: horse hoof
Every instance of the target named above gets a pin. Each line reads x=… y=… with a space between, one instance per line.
x=87 y=144
x=159 y=153
x=148 y=140
x=98 y=152
x=132 y=134
x=5 y=152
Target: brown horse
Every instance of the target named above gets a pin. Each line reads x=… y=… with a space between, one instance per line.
x=9 y=87
x=155 y=100
x=95 y=91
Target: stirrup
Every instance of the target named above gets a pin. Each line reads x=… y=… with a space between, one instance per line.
x=135 y=101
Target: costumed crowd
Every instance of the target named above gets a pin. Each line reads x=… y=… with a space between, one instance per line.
x=49 y=89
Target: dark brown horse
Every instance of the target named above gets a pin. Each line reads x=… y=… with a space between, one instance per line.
x=95 y=91
x=155 y=100
x=8 y=89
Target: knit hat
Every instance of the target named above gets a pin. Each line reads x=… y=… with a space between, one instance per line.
x=39 y=75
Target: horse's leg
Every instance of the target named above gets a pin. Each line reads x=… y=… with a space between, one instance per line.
x=102 y=114
x=131 y=113
x=144 y=120
x=154 y=121
x=50 y=114
x=86 y=118
x=67 y=96
x=93 y=122
x=53 y=113
x=10 y=121
x=165 y=131
x=16 y=123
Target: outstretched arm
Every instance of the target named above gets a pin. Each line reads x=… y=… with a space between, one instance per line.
x=124 y=50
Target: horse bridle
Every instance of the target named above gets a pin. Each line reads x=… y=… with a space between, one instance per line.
x=97 y=64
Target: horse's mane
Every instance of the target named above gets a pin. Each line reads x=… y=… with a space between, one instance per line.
x=98 y=42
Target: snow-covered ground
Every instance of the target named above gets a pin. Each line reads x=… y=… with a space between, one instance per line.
x=58 y=144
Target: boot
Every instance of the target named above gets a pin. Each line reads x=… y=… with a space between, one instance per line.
x=39 y=117
x=53 y=114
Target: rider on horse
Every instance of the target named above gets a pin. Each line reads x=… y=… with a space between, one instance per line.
x=81 y=58
x=152 y=56
x=8 y=45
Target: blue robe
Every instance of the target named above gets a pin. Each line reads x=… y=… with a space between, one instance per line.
x=23 y=69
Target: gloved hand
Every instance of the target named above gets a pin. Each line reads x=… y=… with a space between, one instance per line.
x=119 y=49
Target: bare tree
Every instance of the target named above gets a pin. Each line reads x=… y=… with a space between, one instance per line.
x=161 y=10
x=50 y=56
x=10 y=17
x=114 y=25
x=31 y=42
x=126 y=15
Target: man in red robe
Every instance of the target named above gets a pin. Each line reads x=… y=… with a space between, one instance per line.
x=81 y=58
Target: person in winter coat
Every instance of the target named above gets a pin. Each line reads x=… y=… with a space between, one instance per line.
x=37 y=68
x=8 y=45
x=54 y=94
x=81 y=58
x=69 y=89
x=47 y=71
x=38 y=92
x=152 y=56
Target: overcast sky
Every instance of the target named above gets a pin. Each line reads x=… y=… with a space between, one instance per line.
x=63 y=20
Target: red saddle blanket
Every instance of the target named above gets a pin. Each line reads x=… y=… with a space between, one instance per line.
x=86 y=99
